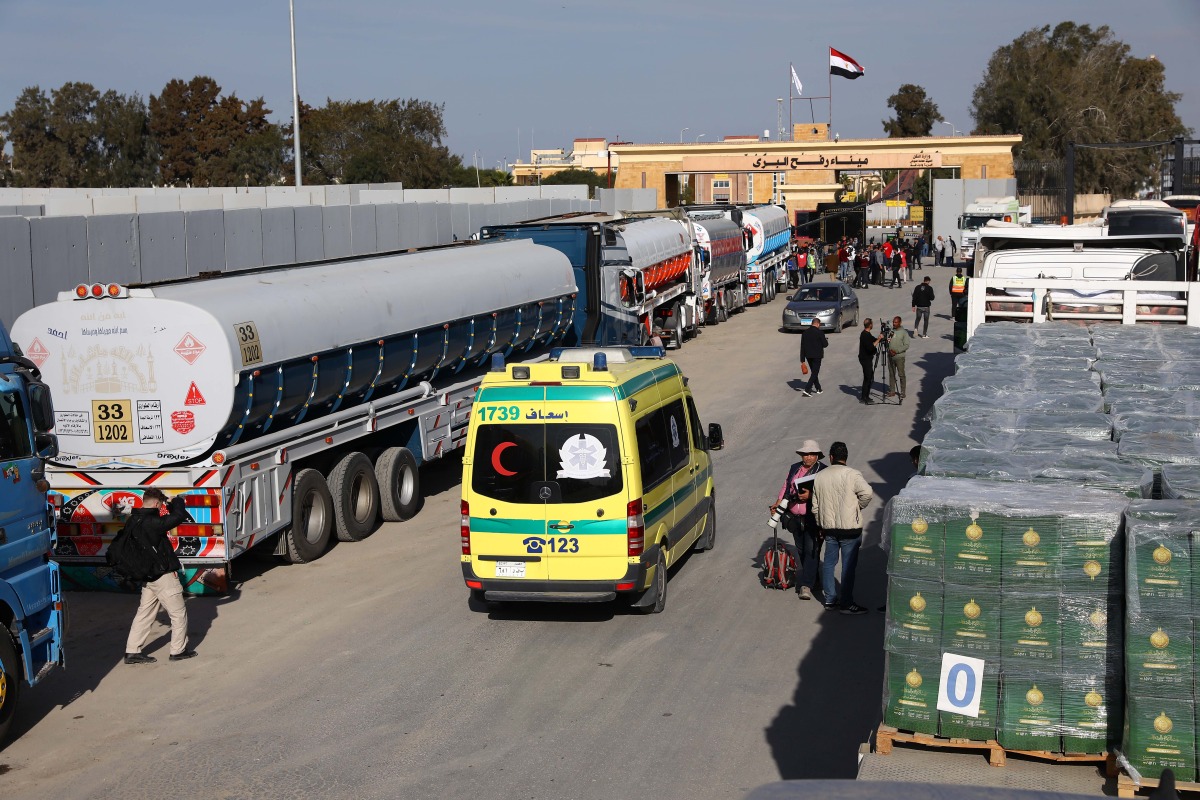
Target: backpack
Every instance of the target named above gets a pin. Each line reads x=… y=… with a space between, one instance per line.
x=131 y=558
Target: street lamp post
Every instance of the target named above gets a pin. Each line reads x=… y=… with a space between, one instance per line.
x=951 y=124
x=701 y=136
x=295 y=97
x=681 y=133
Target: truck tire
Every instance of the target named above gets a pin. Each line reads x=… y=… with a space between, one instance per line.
x=10 y=683
x=355 y=498
x=399 y=484
x=312 y=518
x=676 y=327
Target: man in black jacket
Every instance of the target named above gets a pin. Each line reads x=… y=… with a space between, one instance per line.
x=922 y=299
x=867 y=342
x=812 y=350
x=164 y=590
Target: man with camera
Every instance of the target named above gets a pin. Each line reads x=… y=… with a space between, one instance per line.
x=897 y=345
x=867 y=343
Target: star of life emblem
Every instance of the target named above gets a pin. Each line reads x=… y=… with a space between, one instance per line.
x=582 y=457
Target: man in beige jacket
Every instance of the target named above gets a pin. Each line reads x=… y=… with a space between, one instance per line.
x=839 y=495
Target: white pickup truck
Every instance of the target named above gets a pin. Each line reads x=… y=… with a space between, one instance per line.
x=1098 y=272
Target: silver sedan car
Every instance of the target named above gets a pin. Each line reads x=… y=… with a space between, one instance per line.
x=834 y=305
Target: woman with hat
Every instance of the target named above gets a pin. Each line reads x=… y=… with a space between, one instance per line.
x=796 y=491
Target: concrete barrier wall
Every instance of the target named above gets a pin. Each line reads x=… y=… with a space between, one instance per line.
x=41 y=256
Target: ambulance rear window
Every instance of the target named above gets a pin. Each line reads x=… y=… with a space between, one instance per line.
x=518 y=463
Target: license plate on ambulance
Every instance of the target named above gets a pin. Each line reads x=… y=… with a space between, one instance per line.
x=510 y=569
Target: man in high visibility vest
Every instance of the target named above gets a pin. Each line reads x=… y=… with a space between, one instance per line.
x=958 y=290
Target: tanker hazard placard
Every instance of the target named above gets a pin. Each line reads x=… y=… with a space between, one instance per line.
x=113 y=424
x=247 y=336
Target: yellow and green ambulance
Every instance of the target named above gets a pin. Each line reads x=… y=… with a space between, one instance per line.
x=586 y=477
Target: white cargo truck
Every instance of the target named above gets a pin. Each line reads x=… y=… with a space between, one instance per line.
x=982 y=211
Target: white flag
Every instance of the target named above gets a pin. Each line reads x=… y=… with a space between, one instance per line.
x=796 y=81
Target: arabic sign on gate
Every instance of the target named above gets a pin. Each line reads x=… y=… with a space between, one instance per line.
x=774 y=162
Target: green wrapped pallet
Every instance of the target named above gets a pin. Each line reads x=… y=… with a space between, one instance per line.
x=1030 y=634
x=1030 y=711
x=1031 y=555
x=914 y=617
x=1158 y=655
x=911 y=692
x=974 y=550
x=983 y=727
x=918 y=546
x=971 y=622
x=1160 y=734
x=1091 y=713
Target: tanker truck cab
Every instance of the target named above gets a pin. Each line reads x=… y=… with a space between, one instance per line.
x=585 y=478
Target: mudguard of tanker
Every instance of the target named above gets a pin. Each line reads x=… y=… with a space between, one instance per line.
x=163 y=374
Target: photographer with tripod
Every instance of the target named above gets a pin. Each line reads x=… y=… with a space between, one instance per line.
x=868 y=354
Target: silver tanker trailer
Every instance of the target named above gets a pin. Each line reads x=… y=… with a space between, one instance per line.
x=722 y=265
x=291 y=403
x=636 y=275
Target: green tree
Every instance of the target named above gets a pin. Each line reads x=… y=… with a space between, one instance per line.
x=209 y=140
x=1077 y=84
x=126 y=153
x=27 y=126
x=915 y=113
x=466 y=176
x=375 y=141
x=575 y=177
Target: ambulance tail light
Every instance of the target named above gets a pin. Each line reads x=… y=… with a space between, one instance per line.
x=465 y=528
x=636 y=527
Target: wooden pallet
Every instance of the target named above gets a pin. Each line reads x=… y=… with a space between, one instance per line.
x=1127 y=788
x=886 y=736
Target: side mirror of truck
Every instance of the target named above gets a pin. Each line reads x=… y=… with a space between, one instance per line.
x=42 y=407
x=716 y=439
x=46 y=444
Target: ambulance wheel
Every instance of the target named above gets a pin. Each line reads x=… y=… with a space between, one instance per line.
x=10 y=683
x=709 y=537
x=355 y=498
x=399 y=484
x=658 y=589
x=312 y=518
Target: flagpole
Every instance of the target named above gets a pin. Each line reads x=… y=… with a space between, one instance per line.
x=791 y=124
x=829 y=132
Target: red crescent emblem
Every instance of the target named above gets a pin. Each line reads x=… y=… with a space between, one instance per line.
x=496 y=465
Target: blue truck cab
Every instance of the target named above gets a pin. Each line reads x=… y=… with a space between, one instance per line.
x=31 y=604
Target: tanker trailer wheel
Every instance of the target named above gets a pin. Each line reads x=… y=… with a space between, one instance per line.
x=312 y=518
x=10 y=683
x=399 y=484
x=355 y=498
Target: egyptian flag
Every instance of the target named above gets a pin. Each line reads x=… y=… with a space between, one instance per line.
x=844 y=65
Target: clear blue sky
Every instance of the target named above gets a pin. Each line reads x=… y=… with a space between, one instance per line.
x=641 y=70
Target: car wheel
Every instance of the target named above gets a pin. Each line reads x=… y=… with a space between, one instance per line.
x=709 y=537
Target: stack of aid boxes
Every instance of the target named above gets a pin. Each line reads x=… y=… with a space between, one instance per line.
x=1161 y=588
x=1026 y=578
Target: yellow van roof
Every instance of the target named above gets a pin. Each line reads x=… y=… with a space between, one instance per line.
x=546 y=381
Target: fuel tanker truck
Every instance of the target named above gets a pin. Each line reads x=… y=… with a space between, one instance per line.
x=722 y=265
x=286 y=405
x=636 y=275
x=766 y=242
x=768 y=248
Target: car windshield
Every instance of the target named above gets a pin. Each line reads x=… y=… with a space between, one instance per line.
x=821 y=293
x=537 y=463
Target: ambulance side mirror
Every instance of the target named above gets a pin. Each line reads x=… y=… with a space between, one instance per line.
x=716 y=439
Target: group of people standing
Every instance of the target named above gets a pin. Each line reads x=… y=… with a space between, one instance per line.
x=824 y=505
